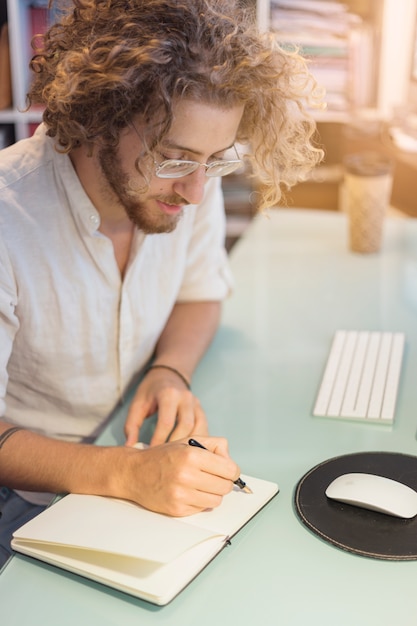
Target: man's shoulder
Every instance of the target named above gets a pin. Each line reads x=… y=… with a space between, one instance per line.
x=23 y=158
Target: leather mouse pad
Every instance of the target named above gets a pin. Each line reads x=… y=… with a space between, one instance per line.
x=351 y=528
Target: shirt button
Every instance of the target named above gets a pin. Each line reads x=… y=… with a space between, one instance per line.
x=94 y=219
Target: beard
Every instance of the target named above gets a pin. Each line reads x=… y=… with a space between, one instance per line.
x=149 y=220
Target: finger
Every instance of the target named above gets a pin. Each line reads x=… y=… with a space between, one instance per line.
x=217 y=445
x=214 y=484
x=199 y=501
x=137 y=414
x=132 y=430
x=200 y=422
x=214 y=461
x=167 y=415
x=202 y=500
x=205 y=492
x=187 y=418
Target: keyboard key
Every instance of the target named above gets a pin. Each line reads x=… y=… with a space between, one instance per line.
x=361 y=377
x=393 y=378
x=378 y=386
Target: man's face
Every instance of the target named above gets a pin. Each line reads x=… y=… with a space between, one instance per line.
x=200 y=132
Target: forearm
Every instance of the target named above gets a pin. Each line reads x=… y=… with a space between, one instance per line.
x=166 y=389
x=187 y=335
x=172 y=479
x=36 y=463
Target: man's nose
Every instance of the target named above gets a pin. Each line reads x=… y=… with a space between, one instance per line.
x=191 y=187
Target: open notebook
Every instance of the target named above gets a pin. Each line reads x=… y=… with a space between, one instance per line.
x=125 y=546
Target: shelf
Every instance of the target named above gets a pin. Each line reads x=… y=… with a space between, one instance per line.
x=19 y=13
x=13 y=116
x=384 y=69
x=322 y=189
x=378 y=45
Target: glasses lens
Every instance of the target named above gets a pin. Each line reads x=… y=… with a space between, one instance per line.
x=223 y=168
x=175 y=169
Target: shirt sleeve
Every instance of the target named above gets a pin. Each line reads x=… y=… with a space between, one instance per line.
x=8 y=321
x=207 y=274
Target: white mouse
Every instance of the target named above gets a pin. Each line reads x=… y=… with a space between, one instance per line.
x=376 y=493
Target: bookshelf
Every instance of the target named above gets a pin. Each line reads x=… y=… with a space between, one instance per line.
x=380 y=80
x=377 y=75
x=360 y=50
x=371 y=42
x=25 y=18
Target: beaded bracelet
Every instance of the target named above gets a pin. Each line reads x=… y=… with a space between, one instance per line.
x=171 y=369
x=8 y=433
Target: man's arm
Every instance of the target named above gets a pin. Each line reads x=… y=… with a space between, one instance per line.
x=175 y=478
x=187 y=335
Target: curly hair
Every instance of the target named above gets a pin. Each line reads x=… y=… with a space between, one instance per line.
x=107 y=61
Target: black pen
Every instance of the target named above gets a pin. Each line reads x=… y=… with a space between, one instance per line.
x=239 y=482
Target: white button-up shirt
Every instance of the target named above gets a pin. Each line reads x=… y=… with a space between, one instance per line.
x=73 y=334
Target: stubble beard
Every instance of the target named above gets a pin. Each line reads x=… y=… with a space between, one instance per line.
x=122 y=187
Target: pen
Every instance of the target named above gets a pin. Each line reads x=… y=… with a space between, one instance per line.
x=239 y=482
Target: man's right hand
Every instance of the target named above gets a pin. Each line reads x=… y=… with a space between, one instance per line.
x=176 y=478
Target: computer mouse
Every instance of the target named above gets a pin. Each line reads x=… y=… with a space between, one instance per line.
x=376 y=493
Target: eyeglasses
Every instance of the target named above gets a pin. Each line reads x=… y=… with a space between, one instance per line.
x=176 y=168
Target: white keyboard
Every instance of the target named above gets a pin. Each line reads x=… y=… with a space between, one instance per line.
x=361 y=377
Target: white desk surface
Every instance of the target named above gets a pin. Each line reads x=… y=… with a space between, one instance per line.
x=296 y=283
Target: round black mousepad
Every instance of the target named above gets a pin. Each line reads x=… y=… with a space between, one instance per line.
x=351 y=528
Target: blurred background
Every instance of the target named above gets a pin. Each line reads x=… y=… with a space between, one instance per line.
x=364 y=52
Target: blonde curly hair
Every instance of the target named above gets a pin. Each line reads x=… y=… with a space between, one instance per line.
x=106 y=61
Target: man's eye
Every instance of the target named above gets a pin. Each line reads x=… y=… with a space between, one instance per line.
x=169 y=157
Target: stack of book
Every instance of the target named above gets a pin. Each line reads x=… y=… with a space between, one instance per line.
x=337 y=43
x=5 y=74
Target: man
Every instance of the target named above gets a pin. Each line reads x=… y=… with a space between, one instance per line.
x=111 y=244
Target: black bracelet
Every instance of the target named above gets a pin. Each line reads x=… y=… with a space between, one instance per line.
x=8 y=433
x=171 y=369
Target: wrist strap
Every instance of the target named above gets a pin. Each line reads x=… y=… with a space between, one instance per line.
x=8 y=433
x=171 y=369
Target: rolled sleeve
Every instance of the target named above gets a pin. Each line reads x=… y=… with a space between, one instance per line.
x=207 y=274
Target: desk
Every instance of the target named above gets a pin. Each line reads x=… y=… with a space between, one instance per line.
x=296 y=283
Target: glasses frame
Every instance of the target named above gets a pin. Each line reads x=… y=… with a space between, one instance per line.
x=194 y=165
